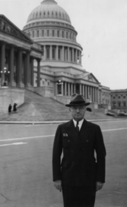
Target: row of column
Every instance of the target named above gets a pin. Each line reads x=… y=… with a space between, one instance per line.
x=62 y=53
x=68 y=89
x=17 y=67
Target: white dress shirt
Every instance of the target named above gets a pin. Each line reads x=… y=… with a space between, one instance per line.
x=79 y=123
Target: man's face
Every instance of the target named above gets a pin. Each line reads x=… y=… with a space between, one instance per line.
x=78 y=112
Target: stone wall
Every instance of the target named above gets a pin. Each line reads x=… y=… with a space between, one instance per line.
x=11 y=96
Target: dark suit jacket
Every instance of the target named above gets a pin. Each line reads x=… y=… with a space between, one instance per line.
x=79 y=157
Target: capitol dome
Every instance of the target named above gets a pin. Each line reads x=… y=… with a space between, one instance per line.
x=47 y=11
x=50 y=26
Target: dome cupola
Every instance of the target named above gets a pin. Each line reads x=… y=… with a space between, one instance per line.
x=48 y=11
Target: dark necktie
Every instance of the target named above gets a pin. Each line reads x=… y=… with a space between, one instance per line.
x=77 y=126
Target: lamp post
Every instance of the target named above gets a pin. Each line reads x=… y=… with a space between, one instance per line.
x=4 y=73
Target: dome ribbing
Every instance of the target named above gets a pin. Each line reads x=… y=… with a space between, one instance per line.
x=49 y=10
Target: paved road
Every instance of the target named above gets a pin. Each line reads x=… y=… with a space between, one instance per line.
x=26 y=172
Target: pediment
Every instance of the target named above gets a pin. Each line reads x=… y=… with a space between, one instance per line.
x=90 y=77
x=8 y=28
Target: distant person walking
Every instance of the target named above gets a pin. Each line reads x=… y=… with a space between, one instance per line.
x=15 y=107
x=9 y=109
x=78 y=157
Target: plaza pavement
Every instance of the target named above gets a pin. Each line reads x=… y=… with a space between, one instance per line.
x=26 y=172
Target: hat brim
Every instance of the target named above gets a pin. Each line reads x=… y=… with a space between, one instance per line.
x=78 y=104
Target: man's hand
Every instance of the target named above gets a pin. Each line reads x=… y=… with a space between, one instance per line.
x=58 y=185
x=99 y=185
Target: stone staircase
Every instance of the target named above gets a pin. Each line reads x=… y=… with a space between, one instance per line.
x=39 y=108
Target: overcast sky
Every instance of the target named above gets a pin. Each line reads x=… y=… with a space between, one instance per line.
x=102 y=32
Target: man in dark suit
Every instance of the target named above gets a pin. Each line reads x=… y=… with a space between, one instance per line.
x=78 y=157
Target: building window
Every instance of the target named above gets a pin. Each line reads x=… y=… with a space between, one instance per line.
x=37 y=33
x=47 y=52
x=33 y=34
x=53 y=33
x=71 y=54
x=47 y=33
x=124 y=104
x=58 y=33
x=119 y=104
x=42 y=33
x=53 y=52
x=59 y=88
x=66 y=34
x=63 y=34
x=59 y=53
x=66 y=53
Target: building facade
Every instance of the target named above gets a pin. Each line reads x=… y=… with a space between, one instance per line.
x=61 y=72
x=119 y=100
x=17 y=55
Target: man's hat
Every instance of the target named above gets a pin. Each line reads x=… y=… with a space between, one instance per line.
x=77 y=100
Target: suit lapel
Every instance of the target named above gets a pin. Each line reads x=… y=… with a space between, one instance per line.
x=75 y=136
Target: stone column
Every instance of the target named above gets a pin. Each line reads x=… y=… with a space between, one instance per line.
x=32 y=71
x=27 y=70
x=74 y=88
x=19 y=69
x=72 y=54
x=38 y=73
x=44 y=52
x=80 y=57
x=71 y=89
x=83 y=91
x=51 y=52
x=63 y=53
x=65 y=88
x=2 y=62
x=80 y=88
x=76 y=55
x=91 y=93
x=11 y=62
x=57 y=52
x=93 y=96
x=68 y=54
x=88 y=92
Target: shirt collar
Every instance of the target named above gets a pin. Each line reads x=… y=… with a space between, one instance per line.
x=80 y=123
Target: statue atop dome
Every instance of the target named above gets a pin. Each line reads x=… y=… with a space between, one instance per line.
x=48 y=1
